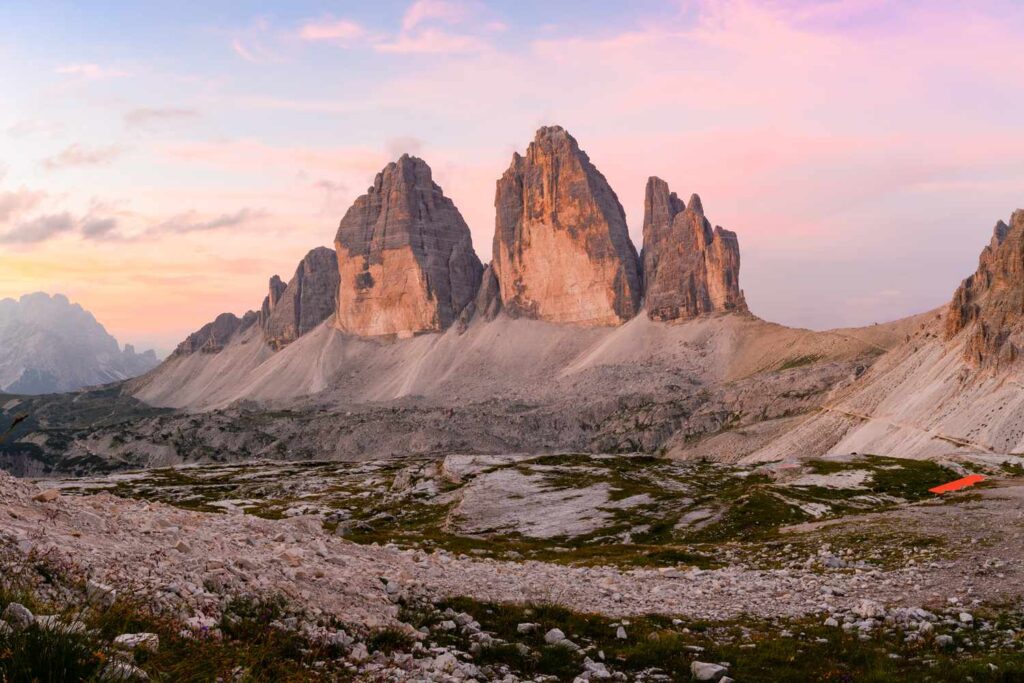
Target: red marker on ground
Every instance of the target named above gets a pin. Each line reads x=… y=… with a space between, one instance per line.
x=970 y=480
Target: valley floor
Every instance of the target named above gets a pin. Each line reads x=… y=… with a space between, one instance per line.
x=859 y=543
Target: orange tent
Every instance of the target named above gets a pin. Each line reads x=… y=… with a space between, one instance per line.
x=958 y=484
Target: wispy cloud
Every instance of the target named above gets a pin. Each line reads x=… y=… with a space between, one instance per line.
x=253 y=43
x=26 y=128
x=191 y=221
x=15 y=202
x=145 y=116
x=88 y=71
x=439 y=10
x=432 y=41
x=78 y=155
x=38 y=229
x=341 y=31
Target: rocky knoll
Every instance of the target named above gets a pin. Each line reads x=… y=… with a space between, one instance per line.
x=307 y=300
x=405 y=256
x=688 y=267
x=561 y=248
x=989 y=305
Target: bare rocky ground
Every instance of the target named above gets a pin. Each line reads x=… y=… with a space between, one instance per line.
x=743 y=563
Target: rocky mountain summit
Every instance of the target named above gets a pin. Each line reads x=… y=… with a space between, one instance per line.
x=562 y=251
x=404 y=262
x=989 y=304
x=405 y=256
x=48 y=344
x=305 y=302
x=688 y=268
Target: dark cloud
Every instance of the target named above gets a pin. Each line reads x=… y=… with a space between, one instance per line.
x=145 y=116
x=100 y=229
x=38 y=229
x=190 y=222
x=77 y=155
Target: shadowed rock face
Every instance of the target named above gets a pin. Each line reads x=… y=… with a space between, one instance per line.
x=688 y=268
x=211 y=337
x=405 y=256
x=561 y=248
x=277 y=287
x=989 y=305
x=307 y=301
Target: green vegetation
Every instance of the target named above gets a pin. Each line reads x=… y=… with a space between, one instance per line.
x=659 y=512
x=250 y=647
x=757 y=650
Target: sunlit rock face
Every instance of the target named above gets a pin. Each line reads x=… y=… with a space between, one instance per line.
x=405 y=256
x=561 y=248
x=689 y=269
x=306 y=301
x=988 y=307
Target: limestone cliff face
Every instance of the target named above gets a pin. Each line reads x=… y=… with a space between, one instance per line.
x=405 y=256
x=561 y=248
x=989 y=305
x=688 y=268
x=307 y=300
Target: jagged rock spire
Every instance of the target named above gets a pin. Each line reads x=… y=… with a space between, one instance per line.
x=561 y=248
x=688 y=268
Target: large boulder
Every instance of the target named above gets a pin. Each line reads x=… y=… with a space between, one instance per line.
x=561 y=248
x=307 y=300
x=988 y=307
x=405 y=256
x=689 y=269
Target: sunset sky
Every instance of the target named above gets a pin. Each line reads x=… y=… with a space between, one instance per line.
x=160 y=160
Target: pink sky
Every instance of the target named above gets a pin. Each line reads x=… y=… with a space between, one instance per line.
x=862 y=151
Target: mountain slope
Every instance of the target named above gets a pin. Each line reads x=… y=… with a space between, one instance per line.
x=48 y=344
x=953 y=386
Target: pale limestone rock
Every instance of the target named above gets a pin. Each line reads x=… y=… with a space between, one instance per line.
x=561 y=248
x=688 y=268
x=405 y=256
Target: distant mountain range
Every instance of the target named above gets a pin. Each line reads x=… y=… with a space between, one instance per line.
x=48 y=344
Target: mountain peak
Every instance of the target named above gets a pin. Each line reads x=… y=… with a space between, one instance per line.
x=405 y=256
x=561 y=248
x=688 y=268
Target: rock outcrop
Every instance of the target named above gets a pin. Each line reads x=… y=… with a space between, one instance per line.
x=989 y=305
x=307 y=300
x=211 y=337
x=689 y=269
x=405 y=256
x=277 y=287
x=561 y=248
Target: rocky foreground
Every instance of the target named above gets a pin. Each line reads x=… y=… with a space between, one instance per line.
x=193 y=564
